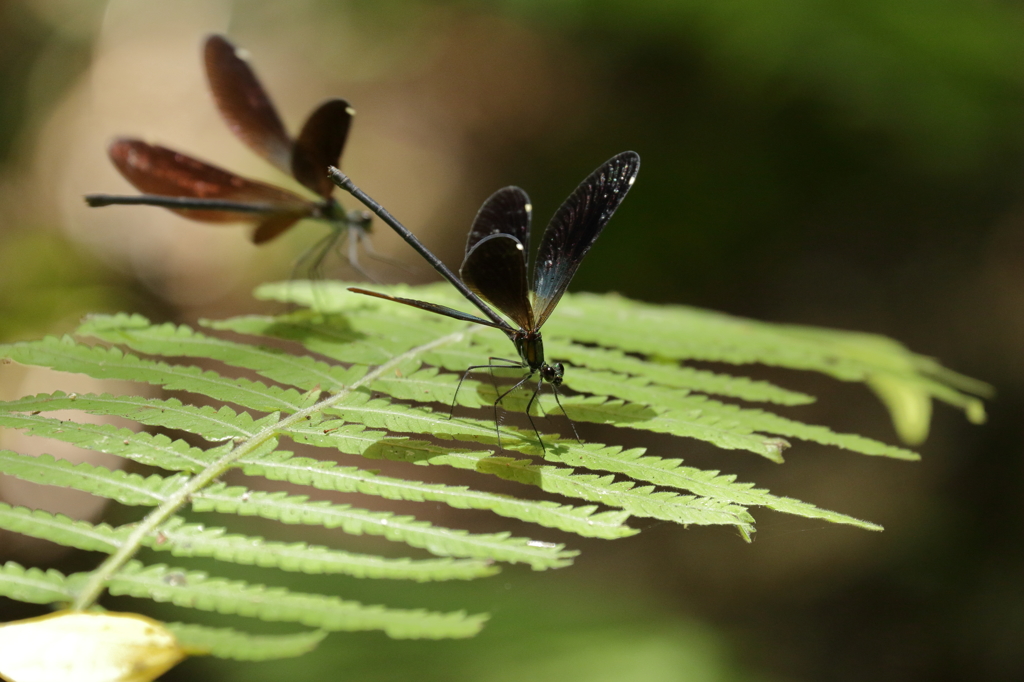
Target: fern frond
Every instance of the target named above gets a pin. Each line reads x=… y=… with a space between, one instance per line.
x=323 y=475
x=381 y=413
x=33 y=585
x=67 y=355
x=671 y=375
x=191 y=540
x=562 y=481
x=177 y=455
x=214 y=425
x=429 y=385
x=58 y=528
x=294 y=509
x=701 y=418
x=330 y=335
x=360 y=377
x=135 y=332
x=691 y=334
x=133 y=489
x=153 y=450
x=126 y=488
x=640 y=501
x=705 y=425
x=685 y=333
x=242 y=646
x=678 y=413
x=282 y=466
x=195 y=589
x=670 y=473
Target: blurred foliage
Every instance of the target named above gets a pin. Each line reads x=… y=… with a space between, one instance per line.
x=941 y=75
x=46 y=284
x=543 y=630
x=21 y=37
x=766 y=129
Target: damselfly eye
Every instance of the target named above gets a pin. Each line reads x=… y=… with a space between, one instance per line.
x=553 y=373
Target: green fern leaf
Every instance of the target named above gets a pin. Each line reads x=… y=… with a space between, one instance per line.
x=153 y=450
x=241 y=646
x=381 y=413
x=703 y=425
x=66 y=355
x=294 y=509
x=134 y=489
x=695 y=416
x=687 y=333
x=190 y=540
x=672 y=375
x=135 y=332
x=329 y=476
x=639 y=501
x=328 y=335
x=194 y=589
x=177 y=455
x=131 y=489
x=213 y=424
x=670 y=473
x=563 y=481
x=360 y=377
x=429 y=385
x=684 y=333
x=33 y=585
x=59 y=529
x=734 y=420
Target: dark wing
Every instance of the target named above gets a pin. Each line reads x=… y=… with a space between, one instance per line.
x=320 y=144
x=495 y=270
x=153 y=169
x=430 y=307
x=575 y=227
x=244 y=104
x=507 y=211
x=273 y=226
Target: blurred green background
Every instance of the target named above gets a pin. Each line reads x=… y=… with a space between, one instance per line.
x=856 y=164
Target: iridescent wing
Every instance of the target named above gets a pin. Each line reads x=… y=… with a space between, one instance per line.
x=575 y=227
x=320 y=144
x=495 y=270
x=153 y=169
x=244 y=104
x=507 y=211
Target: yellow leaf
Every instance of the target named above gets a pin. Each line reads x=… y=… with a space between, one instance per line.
x=87 y=647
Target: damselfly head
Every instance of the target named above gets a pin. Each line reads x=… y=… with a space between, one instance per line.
x=553 y=374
